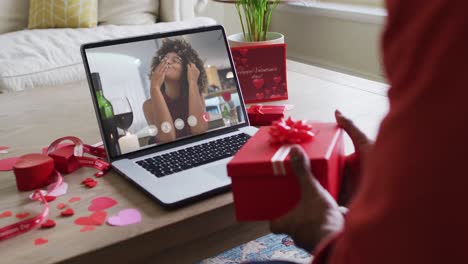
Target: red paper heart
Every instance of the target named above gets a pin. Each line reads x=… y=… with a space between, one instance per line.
x=68 y=212
x=60 y=206
x=277 y=79
x=40 y=241
x=22 y=215
x=74 y=199
x=87 y=228
x=91 y=184
x=258 y=83
x=96 y=218
x=101 y=203
x=243 y=52
x=4 y=148
x=6 y=214
x=87 y=180
x=50 y=198
x=48 y=224
x=259 y=96
x=8 y=163
x=99 y=174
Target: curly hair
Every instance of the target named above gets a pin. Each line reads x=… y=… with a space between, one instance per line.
x=188 y=55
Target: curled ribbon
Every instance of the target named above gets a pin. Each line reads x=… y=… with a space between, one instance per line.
x=290 y=132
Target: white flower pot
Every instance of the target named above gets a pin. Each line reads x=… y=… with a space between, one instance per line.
x=237 y=40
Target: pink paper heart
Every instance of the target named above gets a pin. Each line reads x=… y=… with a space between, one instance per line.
x=277 y=79
x=258 y=83
x=125 y=217
x=7 y=164
x=101 y=203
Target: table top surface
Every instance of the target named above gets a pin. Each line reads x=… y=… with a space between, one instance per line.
x=30 y=120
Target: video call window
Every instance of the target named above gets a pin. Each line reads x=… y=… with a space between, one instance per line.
x=157 y=91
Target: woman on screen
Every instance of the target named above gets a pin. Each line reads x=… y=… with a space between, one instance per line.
x=178 y=80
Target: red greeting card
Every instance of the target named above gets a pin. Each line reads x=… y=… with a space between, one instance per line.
x=262 y=72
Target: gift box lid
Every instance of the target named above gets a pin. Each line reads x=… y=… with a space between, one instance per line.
x=254 y=158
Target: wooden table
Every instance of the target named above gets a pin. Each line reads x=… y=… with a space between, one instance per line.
x=31 y=120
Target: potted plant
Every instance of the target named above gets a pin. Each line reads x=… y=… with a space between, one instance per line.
x=255 y=18
x=259 y=55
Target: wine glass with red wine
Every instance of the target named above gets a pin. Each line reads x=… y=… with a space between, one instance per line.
x=123 y=114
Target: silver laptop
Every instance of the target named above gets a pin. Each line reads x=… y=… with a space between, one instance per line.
x=170 y=110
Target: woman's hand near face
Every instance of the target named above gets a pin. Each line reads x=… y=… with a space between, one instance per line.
x=193 y=73
x=158 y=75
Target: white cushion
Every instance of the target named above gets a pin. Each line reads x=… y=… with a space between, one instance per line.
x=43 y=57
x=13 y=15
x=127 y=12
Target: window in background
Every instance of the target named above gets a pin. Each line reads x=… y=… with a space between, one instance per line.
x=373 y=3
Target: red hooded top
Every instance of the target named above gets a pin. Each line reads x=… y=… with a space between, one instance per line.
x=412 y=206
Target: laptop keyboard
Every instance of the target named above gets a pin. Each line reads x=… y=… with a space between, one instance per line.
x=190 y=157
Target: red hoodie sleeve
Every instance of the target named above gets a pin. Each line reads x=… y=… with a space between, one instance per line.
x=411 y=207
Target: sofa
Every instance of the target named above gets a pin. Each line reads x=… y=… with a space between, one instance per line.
x=31 y=59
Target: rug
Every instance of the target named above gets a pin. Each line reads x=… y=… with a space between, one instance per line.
x=269 y=247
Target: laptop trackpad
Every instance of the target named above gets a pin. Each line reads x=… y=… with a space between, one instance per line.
x=219 y=171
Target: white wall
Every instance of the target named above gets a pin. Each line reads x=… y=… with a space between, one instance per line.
x=339 y=42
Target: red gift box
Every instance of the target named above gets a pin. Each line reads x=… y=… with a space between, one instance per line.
x=264 y=191
x=261 y=71
x=264 y=115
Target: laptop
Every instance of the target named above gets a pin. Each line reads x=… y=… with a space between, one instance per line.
x=170 y=110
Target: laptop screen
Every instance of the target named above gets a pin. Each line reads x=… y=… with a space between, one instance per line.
x=156 y=91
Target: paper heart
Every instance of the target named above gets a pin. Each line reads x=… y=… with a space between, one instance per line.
x=60 y=206
x=22 y=215
x=68 y=212
x=6 y=214
x=96 y=218
x=59 y=191
x=87 y=228
x=125 y=217
x=89 y=182
x=40 y=241
x=7 y=164
x=99 y=174
x=243 y=52
x=48 y=224
x=74 y=199
x=259 y=96
x=101 y=203
x=4 y=147
x=277 y=79
x=49 y=198
x=258 y=83
x=244 y=61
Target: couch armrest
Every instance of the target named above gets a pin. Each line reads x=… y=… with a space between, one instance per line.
x=176 y=10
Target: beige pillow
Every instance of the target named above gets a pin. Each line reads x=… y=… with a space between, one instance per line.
x=128 y=12
x=13 y=15
x=62 y=13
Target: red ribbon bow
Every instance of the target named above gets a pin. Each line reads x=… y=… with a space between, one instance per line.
x=290 y=132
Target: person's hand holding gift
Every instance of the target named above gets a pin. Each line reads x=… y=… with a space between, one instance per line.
x=317 y=215
x=354 y=162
